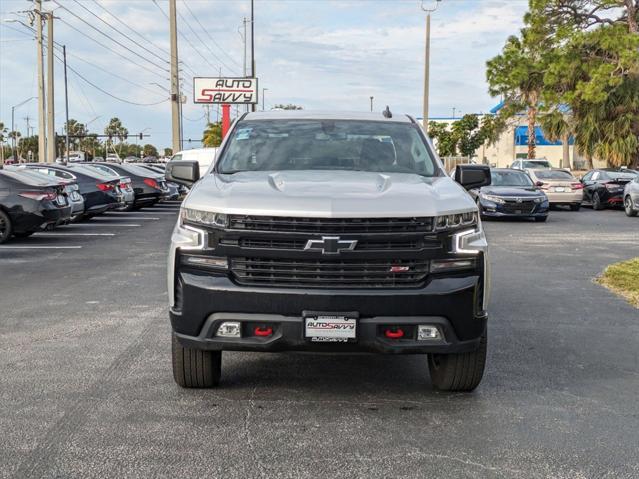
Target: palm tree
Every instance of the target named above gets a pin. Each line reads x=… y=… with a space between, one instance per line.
x=558 y=125
x=3 y=131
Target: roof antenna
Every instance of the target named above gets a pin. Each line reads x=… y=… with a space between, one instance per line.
x=387 y=113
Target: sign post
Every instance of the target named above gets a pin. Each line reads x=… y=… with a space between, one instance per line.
x=227 y=92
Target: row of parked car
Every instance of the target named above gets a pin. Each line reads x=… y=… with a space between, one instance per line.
x=37 y=196
x=531 y=192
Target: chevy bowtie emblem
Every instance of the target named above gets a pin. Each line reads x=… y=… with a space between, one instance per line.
x=330 y=245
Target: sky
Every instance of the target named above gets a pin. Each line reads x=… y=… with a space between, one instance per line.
x=319 y=54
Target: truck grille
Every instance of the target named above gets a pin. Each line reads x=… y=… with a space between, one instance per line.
x=330 y=225
x=329 y=273
x=362 y=245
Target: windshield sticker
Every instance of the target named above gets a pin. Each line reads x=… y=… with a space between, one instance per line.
x=243 y=134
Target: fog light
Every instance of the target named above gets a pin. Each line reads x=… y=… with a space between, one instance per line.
x=229 y=329
x=426 y=332
x=439 y=265
x=206 y=261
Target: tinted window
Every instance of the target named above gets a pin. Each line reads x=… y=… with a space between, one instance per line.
x=553 y=175
x=510 y=178
x=327 y=145
x=620 y=175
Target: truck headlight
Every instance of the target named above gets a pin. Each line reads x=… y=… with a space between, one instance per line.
x=468 y=218
x=205 y=218
x=469 y=242
x=493 y=198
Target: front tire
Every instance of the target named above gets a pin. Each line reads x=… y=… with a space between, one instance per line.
x=6 y=227
x=629 y=209
x=458 y=372
x=195 y=368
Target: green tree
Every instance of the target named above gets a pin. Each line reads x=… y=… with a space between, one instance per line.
x=116 y=130
x=517 y=74
x=168 y=152
x=28 y=145
x=594 y=70
x=468 y=134
x=3 y=138
x=558 y=125
x=445 y=140
x=212 y=136
x=150 y=150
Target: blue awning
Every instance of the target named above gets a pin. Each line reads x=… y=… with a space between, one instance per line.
x=521 y=137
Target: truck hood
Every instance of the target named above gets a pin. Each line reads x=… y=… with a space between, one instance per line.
x=328 y=194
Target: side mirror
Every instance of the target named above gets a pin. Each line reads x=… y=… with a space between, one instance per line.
x=473 y=176
x=183 y=172
x=539 y=184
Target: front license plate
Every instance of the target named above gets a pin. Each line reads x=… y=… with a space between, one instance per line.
x=327 y=328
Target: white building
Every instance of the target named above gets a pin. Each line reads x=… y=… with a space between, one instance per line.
x=513 y=144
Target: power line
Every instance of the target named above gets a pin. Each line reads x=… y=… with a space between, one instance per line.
x=208 y=34
x=143 y=67
x=104 y=91
x=57 y=44
x=200 y=39
x=163 y=50
x=110 y=38
x=120 y=32
x=185 y=38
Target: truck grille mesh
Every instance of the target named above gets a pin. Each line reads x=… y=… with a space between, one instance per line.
x=330 y=225
x=329 y=273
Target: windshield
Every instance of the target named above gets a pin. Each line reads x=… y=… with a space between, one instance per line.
x=621 y=175
x=553 y=175
x=349 y=145
x=510 y=178
x=536 y=164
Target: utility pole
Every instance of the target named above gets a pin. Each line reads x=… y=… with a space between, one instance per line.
x=51 y=143
x=427 y=62
x=66 y=106
x=175 y=81
x=42 y=126
x=254 y=107
x=372 y=98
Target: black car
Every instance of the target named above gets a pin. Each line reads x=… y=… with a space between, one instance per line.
x=149 y=187
x=101 y=193
x=29 y=204
x=603 y=188
x=174 y=189
x=511 y=194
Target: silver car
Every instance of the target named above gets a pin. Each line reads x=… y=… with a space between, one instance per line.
x=631 y=197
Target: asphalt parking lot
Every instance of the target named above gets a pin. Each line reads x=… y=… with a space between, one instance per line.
x=86 y=387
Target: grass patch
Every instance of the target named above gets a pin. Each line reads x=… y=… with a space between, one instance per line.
x=623 y=279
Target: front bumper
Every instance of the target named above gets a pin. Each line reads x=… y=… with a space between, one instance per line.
x=495 y=210
x=452 y=303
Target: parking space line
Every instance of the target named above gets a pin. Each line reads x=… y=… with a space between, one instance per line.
x=72 y=234
x=143 y=218
x=110 y=225
x=37 y=247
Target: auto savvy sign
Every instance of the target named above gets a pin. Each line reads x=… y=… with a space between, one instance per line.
x=225 y=90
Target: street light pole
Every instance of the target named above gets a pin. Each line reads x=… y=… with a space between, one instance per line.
x=372 y=97
x=13 y=128
x=264 y=99
x=175 y=81
x=253 y=45
x=427 y=62
x=66 y=105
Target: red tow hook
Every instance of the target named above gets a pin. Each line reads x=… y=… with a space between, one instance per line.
x=396 y=334
x=263 y=331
